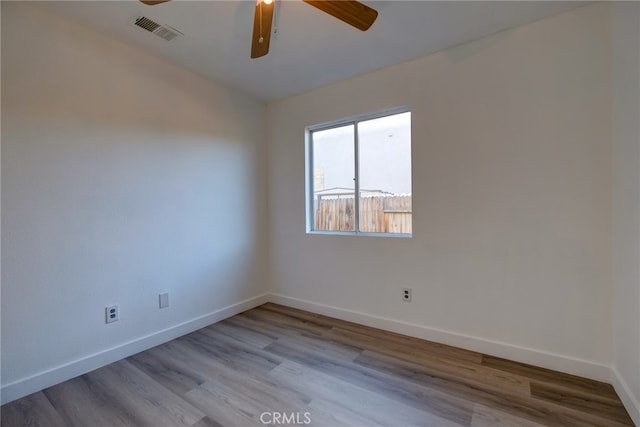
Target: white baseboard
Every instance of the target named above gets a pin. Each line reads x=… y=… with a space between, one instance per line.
x=588 y=369
x=42 y=380
x=557 y=362
x=631 y=403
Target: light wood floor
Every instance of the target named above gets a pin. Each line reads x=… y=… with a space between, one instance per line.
x=275 y=359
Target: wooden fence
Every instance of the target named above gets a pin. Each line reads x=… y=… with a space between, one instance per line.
x=378 y=214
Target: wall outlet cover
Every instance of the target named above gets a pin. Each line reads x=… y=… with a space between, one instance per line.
x=164 y=300
x=112 y=313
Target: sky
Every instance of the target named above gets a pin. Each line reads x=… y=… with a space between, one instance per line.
x=384 y=151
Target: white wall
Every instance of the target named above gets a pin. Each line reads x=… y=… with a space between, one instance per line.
x=111 y=193
x=626 y=204
x=122 y=176
x=512 y=198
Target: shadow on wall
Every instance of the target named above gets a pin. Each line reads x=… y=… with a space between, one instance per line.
x=123 y=176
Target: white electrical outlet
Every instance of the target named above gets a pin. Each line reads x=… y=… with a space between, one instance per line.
x=112 y=313
x=164 y=300
x=406 y=294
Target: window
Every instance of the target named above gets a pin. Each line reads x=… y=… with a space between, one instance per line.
x=359 y=175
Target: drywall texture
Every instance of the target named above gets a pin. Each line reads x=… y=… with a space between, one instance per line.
x=511 y=146
x=123 y=176
x=626 y=198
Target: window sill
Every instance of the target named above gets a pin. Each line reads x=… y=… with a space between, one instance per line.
x=359 y=234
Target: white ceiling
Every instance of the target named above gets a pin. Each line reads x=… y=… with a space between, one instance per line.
x=311 y=49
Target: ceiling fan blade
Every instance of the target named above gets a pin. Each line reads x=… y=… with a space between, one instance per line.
x=153 y=2
x=354 y=13
x=262 y=21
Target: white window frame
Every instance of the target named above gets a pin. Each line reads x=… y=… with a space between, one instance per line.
x=309 y=196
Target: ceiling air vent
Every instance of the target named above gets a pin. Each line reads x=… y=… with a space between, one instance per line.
x=164 y=31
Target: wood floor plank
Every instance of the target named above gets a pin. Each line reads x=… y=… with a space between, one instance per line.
x=188 y=367
x=295 y=313
x=290 y=323
x=84 y=401
x=207 y=422
x=484 y=416
x=536 y=410
x=553 y=377
x=603 y=407
x=33 y=410
x=330 y=414
x=433 y=401
x=341 y=350
x=242 y=358
x=244 y=334
x=264 y=391
x=224 y=409
x=244 y=323
x=441 y=363
x=276 y=359
x=144 y=397
x=432 y=369
x=169 y=369
x=331 y=350
x=399 y=347
x=231 y=397
x=399 y=341
x=363 y=404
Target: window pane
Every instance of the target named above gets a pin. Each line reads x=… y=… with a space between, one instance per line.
x=384 y=151
x=333 y=179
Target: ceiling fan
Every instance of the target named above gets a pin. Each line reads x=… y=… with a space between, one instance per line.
x=352 y=12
